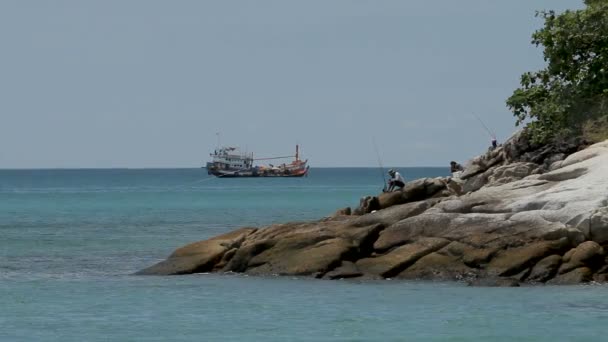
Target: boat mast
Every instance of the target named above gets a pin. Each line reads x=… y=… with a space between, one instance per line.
x=297 y=152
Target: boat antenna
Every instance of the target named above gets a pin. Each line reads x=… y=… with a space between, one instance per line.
x=490 y=132
x=380 y=164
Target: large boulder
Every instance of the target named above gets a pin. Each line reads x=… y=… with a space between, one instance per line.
x=545 y=269
x=598 y=226
x=200 y=256
x=512 y=172
x=576 y=276
x=588 y=253
x=445 y=264
x=302 y=249
x=416 y=190
x=347 y=269
x=294 y=257
x=515 y=260
x=392 y=263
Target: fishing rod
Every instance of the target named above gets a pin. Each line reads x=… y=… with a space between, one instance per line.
x=380 y=163
x=195 y=182
x=490 y=132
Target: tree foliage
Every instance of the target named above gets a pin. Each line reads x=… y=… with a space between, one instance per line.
x=573 y=88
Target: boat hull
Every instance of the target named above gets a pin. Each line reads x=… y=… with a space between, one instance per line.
x=251 y=173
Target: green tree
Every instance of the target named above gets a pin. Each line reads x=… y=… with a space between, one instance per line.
x=573 y=88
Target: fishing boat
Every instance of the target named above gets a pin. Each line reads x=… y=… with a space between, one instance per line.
x=229 y=162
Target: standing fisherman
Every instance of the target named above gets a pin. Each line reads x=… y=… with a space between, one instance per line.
x=494 y=144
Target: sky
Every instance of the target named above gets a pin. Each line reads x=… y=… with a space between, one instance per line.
x=147 y=83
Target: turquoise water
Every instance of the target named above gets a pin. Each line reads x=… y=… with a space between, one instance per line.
x=71 y=239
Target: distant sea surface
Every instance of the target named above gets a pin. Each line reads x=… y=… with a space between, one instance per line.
x=70 y=241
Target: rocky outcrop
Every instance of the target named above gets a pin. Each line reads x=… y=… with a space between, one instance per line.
x=202 y=256
x=515 y=215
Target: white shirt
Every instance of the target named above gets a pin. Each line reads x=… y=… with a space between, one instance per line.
x=398 y=177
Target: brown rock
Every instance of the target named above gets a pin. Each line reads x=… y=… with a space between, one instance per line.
x=545 y=269
x=225 y=259
x=588 y=253
x=343 y=212
x=241 y=259
x=200 y=256
x=478 y=257
x=394 y=214
x=295 y=258
x=515 y=260
x=472 y=257
x=440 y=265
x=411 y=228
x=303 y=248
x=416 y=190
x=367 y=205
x=494 y=282
x=392 y=263
x=576 y=276
x=346 y=270
x=477 y=229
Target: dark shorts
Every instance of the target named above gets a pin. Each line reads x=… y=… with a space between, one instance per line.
x=398 y=184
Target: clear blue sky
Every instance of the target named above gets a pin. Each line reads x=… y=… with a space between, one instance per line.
x=145 y=83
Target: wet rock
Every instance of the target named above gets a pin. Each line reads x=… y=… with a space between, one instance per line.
x=601 y=276
x=588 y=253
x=494 y=282
x=577 y=276
x=545 y=269
x=346 y=270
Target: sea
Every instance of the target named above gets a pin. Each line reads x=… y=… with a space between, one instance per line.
x=71 y=241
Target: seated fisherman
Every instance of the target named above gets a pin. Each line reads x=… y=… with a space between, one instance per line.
x=455 y=167
x=396 y=180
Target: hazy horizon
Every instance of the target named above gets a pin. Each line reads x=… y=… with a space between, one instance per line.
x=148 y=84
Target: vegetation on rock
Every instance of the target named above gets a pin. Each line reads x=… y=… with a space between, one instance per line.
x=570 y=95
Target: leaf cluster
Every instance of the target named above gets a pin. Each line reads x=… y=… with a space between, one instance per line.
x=573 y=87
